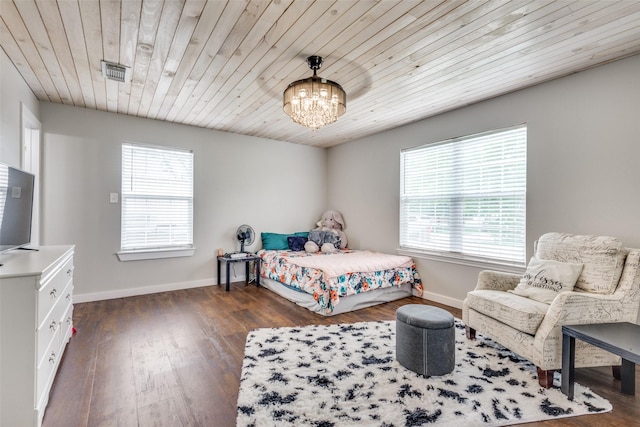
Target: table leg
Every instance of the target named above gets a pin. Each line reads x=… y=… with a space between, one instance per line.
x=258 y=264
x=568 y=365
x=628 y=377
x=219 y=283
x=228 y=265
x=246 y=272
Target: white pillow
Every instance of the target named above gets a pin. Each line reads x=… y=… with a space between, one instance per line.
x=544 y=279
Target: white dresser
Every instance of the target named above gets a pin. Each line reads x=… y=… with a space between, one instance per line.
x=36 y=296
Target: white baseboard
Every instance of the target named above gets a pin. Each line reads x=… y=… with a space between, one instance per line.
x=144 y=290
x=452 y=302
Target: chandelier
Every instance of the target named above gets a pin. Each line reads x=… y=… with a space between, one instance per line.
x=314 y=102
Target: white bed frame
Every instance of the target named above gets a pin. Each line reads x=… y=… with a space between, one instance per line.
x=349 y=303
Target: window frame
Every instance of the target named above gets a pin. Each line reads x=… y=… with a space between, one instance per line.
x=168 y=251
x=469 y=259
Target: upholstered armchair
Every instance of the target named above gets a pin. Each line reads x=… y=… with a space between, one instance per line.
x=607 y=290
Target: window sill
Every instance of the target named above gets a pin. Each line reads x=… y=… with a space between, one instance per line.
x=508 y=267
x=155 y=254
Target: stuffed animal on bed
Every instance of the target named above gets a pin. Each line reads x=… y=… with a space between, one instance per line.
x=328 y=235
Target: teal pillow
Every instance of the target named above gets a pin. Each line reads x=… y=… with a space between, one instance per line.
x=278 y=242
x=274 y=241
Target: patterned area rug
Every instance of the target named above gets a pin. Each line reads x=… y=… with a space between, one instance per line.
x=343 y=375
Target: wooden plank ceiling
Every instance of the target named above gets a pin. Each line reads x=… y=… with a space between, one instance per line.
x=224 y=64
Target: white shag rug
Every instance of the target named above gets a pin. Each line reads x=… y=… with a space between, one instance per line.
x=342 y=375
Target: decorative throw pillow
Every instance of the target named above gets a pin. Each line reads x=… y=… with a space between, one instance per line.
x=296 y=243
x=274 y=241
x=544 y=279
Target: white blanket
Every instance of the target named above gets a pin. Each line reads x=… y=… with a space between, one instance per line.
x=335 y=265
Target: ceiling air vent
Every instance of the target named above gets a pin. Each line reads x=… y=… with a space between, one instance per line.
x=116 y=72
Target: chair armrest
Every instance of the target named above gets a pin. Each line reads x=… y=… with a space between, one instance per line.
x=575 y=308
x=497 y=280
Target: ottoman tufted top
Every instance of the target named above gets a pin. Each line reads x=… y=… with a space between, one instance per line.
x=425 y=316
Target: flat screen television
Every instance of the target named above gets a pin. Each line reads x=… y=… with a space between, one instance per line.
x=16 y=207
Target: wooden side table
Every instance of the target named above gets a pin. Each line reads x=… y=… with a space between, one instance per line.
x=622 y=339
x=246 y=259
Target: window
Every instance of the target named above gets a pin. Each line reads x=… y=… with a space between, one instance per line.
x=157 y=201
x=465 y=198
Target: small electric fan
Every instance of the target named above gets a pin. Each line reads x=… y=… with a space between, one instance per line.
x=245 y=236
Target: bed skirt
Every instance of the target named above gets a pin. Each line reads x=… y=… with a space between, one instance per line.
x=347 y=304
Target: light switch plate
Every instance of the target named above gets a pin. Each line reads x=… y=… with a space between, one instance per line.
x=113 y=198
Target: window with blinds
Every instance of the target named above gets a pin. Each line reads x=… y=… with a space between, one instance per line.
x=157 y=198
x=466 y=197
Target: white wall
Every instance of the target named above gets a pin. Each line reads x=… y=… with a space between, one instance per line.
x=582 y=175
x=13 y=92
x=273 y=186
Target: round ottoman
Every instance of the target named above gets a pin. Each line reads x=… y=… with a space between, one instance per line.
x=425 y=339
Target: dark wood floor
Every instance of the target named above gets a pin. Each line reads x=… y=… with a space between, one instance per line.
x=174 y=359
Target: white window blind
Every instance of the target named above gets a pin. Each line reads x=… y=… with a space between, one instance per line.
x=157 y=198
x=466 y=197
x=4 y=189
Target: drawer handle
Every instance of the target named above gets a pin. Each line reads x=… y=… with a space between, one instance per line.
x=54 y=325
x=68 y=297
x=52 y=358
x=69 y=272
x=69 y=320
x=53 y=292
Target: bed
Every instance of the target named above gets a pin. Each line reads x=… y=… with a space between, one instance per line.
x=339 y=282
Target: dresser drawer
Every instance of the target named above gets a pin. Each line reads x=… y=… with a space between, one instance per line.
x=47 y=367
x=52 y=289
x=49 y=331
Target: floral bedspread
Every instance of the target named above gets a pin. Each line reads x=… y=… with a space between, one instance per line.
x=276 y=266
